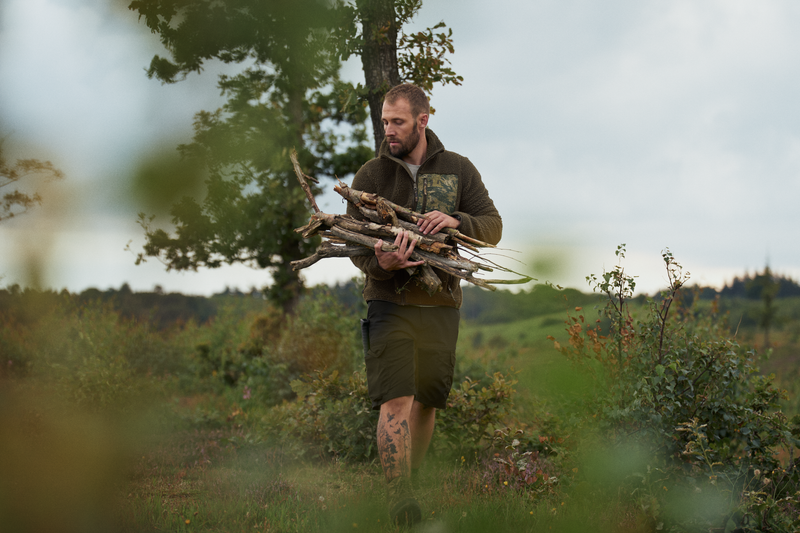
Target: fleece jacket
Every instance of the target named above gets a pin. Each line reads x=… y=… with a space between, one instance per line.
x=447 y=182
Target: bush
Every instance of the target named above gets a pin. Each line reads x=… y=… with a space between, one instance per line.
x=263 y=353
x=474 y=413
x=83 y=352
x=689 y=399
x=332 y=417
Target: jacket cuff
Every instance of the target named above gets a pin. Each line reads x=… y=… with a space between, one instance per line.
x=375 y=271
x=465 y=225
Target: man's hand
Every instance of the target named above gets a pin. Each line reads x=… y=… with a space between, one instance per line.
x=399 y=259
x=436 y=221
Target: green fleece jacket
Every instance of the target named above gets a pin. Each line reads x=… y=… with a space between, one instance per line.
x=446 y=182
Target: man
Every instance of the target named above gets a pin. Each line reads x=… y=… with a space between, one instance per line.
x=411 y=335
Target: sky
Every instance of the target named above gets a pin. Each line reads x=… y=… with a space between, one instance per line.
x=657 y=125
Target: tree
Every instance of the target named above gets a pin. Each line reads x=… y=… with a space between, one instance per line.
x=389 y=56
x=765 y=286
x=288 y=96
x=17 y=202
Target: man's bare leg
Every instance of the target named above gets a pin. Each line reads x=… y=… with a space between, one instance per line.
x=405 y=429
x=421 y=423
x=394 y=437
x=395 y=450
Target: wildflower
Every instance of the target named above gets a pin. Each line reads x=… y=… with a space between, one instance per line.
x=187 y=521
x=505 y=483
x=246 y=395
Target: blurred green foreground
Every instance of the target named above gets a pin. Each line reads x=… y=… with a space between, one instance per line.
x=601 y=412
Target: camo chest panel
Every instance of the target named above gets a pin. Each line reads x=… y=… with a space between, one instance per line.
x=437 y=192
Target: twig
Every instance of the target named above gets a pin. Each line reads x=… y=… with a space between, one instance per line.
x=302 y=177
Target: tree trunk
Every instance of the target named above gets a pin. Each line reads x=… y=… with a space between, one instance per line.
x=288 y=285
x=379 y=57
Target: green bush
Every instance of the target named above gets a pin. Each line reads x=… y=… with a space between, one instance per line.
x=474 y=413
x=260 y=354
x=672 y=386
x=332 y=417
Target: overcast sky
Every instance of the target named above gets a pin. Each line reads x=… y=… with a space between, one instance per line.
x=654 y=124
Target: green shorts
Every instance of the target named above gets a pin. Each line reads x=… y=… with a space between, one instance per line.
x=410 y=351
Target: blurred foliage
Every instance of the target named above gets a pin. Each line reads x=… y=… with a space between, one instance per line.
x=162 y=179
x=487 y=307
x=23 y=171
x=673 y=387
x=61 y=465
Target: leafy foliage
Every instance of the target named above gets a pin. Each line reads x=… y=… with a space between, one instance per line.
x=18 y=201
x=85 y=352
x=474 y=413
x=679 y=390
x=263 y=353
x=332 y=417
x=284 y=99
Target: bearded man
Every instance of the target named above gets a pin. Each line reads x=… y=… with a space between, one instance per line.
x=411 y=335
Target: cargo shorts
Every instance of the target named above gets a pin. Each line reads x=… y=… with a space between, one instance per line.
x=410 y=351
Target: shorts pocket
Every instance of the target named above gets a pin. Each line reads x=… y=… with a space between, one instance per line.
x=374 y=352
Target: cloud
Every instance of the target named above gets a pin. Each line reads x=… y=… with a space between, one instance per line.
x=593 y=123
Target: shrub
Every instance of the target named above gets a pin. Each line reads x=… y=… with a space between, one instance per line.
x=265 y=352
x=332 y=417
x=682 y=393
x=473 y=414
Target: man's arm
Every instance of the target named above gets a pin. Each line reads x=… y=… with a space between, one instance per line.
x=367 y=264
x=479 y=217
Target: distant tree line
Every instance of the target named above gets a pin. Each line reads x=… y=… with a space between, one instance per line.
x=480 y=306
x=752 y=287
x=157 y=307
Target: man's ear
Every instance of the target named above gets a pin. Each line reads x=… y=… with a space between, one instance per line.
x=423 y=120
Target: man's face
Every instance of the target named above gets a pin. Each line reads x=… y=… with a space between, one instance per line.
x=401 y=127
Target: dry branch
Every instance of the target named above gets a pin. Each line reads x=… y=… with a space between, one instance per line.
x=349 y=237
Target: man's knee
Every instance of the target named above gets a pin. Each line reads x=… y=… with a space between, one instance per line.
x=401 y=405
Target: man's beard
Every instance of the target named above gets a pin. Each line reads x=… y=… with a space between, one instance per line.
x=407 y=146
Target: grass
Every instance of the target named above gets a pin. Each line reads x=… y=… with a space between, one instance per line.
x=192 y=481
x=206 y=475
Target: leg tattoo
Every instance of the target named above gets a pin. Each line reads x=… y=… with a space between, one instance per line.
x=394 y=446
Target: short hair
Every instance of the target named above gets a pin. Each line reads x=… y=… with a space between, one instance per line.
x=415 y=97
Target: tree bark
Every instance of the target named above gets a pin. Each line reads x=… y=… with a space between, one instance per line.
x=379 y=57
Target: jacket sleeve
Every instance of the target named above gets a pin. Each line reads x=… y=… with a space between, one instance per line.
x=479 y=217
x=367 y=264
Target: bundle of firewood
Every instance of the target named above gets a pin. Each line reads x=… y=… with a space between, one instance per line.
x=345 y=236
